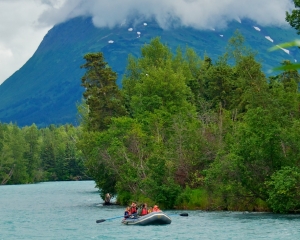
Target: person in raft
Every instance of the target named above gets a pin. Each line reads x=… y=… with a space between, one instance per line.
x=144 y=210
x=133 y=209
x=150 y=210
x=127 y=212
x=107 y=199
x=156 y=209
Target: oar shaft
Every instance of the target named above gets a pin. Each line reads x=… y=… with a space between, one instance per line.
x=103 y=220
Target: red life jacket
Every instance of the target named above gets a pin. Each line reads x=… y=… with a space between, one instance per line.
x=144 y=211
x=133 y=210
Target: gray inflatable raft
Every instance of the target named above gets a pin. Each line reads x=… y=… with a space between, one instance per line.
x=154 y=218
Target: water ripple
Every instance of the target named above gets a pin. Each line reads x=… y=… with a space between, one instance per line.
x=68 y=210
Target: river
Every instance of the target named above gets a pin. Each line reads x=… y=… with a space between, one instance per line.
x=69 y=210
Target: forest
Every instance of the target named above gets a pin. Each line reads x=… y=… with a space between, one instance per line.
x=31 y=155
x=186 y=132
x=183 y=132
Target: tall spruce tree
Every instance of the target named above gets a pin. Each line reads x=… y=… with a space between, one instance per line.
x=101 y=92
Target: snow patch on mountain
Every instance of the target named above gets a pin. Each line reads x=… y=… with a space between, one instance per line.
x=283 y=49
x=269 y=38
x=238 y=20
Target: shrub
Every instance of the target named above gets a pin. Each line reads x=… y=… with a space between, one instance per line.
x=283 y=190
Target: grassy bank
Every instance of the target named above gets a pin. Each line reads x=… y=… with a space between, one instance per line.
x=200 y=199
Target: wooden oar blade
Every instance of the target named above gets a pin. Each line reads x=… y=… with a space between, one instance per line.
x=100 y=221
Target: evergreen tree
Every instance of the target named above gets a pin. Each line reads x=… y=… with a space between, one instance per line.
x=32 y=153
x=102 y=95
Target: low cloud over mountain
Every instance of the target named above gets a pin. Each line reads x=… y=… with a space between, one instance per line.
x=21 y=34
x=200 y=14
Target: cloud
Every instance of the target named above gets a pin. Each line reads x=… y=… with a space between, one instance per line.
x=20 y=33
x=23 y=24
x=201 y=14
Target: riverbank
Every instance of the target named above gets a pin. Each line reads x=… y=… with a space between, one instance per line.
x=200 y=199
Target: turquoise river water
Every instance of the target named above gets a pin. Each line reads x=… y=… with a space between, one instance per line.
x=69 y=210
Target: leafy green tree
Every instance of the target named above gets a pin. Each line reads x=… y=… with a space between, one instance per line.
x=160 y=85
x=220 y=84
x=72 y=156
x=154 y=54
x=293 y=17
x=290 y=78
x=251 y=87
x=290 y=143
x=49 y=161
x=283 y=96
x=160 y=184
x=259 y=150
x=17 y=146
x=97 y=169
x=61 y=166
x=247 y=84
x=7 y=163
x=236 y=49
x=70 y=159
x=283 y=190
x=32 y=153
x=83 y=114
x=47 y=156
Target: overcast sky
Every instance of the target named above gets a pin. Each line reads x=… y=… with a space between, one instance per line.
x=24 y=23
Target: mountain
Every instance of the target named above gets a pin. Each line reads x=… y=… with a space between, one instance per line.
x=46 y=89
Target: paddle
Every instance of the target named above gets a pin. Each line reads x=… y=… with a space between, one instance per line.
x=181 y=214
x=184 y=214
x=103 y=220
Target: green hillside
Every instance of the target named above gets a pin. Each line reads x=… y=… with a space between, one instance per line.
x=45 y=90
